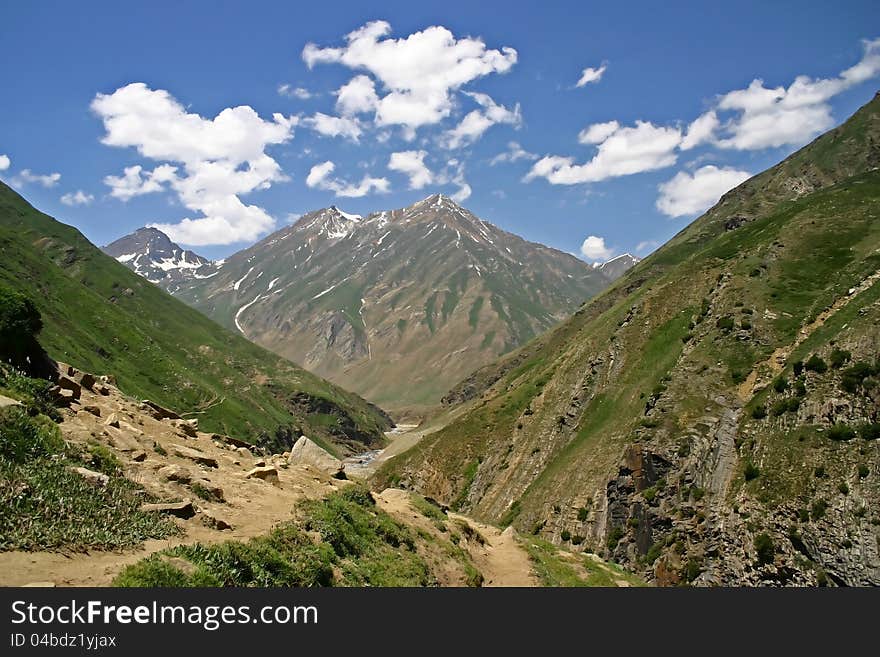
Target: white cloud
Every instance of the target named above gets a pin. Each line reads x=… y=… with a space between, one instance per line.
x=646 y=246
x=418 y=74
x=591 y=75
x=701 y=130
x=222 y=158
x=475 y=123
x=334 y=126
x=690 y=194
x=26 y=176
x=594 y=249
x=629 y=150
x=136 y=182
x=319 y=178
x=598 y=132
x=770 y=117
x=79 y=197
x=294 y=92
x=357 y=96
x=4 y=162
x=514 y=153
x=412 y=164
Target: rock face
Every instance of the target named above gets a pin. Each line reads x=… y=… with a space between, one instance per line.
x=399 y=305
x=305 y=451
x=183 y=510
x=266 y=473
x=194 y=455
x=712 y=418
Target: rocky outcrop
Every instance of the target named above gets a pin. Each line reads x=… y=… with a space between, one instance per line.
x=305 y=451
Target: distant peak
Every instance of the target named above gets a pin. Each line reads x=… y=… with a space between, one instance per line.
x=347 y=215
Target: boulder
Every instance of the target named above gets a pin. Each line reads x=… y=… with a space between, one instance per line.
x=212 y=489
x=102 y=389
x=177 y=509
x=139 y=457
x=95 y=478
x=85 y=380
x=244 y=451
x=214 y=522
x=112 y=420
x=307 y=452
x=266 y=473
x=158 y=412
x=194 y=455
x=66 y=383
x=175 y=473
x=235 y=442
x=185 y=428
x=91 y=408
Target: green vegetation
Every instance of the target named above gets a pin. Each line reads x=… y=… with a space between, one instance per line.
x=816 y=364
x=45 y=505
x=751 y=471
x=764 y=549
x=555 y=567
x=103 y=318
x=841 y=432
x=359 y=545
x=20 y=323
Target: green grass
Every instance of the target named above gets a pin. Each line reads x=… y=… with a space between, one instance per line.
x=359 y=545
x=105 y=319
x=554 y=570
x=46 y=506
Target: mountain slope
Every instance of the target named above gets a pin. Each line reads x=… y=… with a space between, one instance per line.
x=707 y=419
x=103 y=318
x=150 y=253
x=396 y=306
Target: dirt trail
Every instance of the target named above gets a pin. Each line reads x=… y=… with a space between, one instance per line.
x=764 y=371
x=501 y=560
x=145 y=446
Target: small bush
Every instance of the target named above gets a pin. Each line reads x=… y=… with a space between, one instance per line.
x=863 y=471
x=764 y=549
x=693 y=569
x=23 y=438
x=759 y=412
x=745 y=324
x=841 y=432
x=819 y=472
x=839 y=358
x=751 y=471
x=816 y=364
x=817 y=510
x=870 y=431
x=800 y=389
x=725 y=323
x=583 y=513
x=565 y=535
x=843 y=487
x=797 y=367
x=780 y=384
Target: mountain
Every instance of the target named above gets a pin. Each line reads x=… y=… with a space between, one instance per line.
x=617 y=266
x=103 y=318
x=151 y=253
x=710 y=417
x=398 y=305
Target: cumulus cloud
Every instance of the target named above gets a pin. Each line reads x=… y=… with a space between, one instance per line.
x=26 y=176
x=221 y=159
x=646 y=246
x=700 y=131
x=475 y=123
x=412 y=164
x=134 y=181
x=334 y=126
x=290 y=91
x=690 y=194
x=5 y=162
x=514 y=153
x=418 y=74
x=591 y=75
x=594 y=249
x=598 y=132
x=79 y=197
x=628 y=150
x=320 y=177
x=357 y=96
x=778 y=116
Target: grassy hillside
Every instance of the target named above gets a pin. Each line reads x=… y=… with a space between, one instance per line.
x=103 y=318
x=634 y=429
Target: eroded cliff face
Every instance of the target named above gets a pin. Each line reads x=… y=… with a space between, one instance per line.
x=711 y=418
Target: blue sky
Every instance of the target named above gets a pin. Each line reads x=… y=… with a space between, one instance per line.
x=405 y=99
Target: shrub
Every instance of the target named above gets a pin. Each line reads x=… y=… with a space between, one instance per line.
x=854 y=376
x=841 y=432
x=725 y=323
x=819 y=472
x=863 y=471
x=870 y=431
x=759 y=412
x=780 y=384
x=693 y=569
x=817 y=510
x=764 y=548
x=779 y=407
x=797 y=367
x=815 y=364
x=565 y=535
x=20 y=323
x=843 y=488
x=800 y=389
x=577 y=539
x=745 y=324
x=751 y=471
x=839 y=357
x=614 y=537
x=583 y=513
